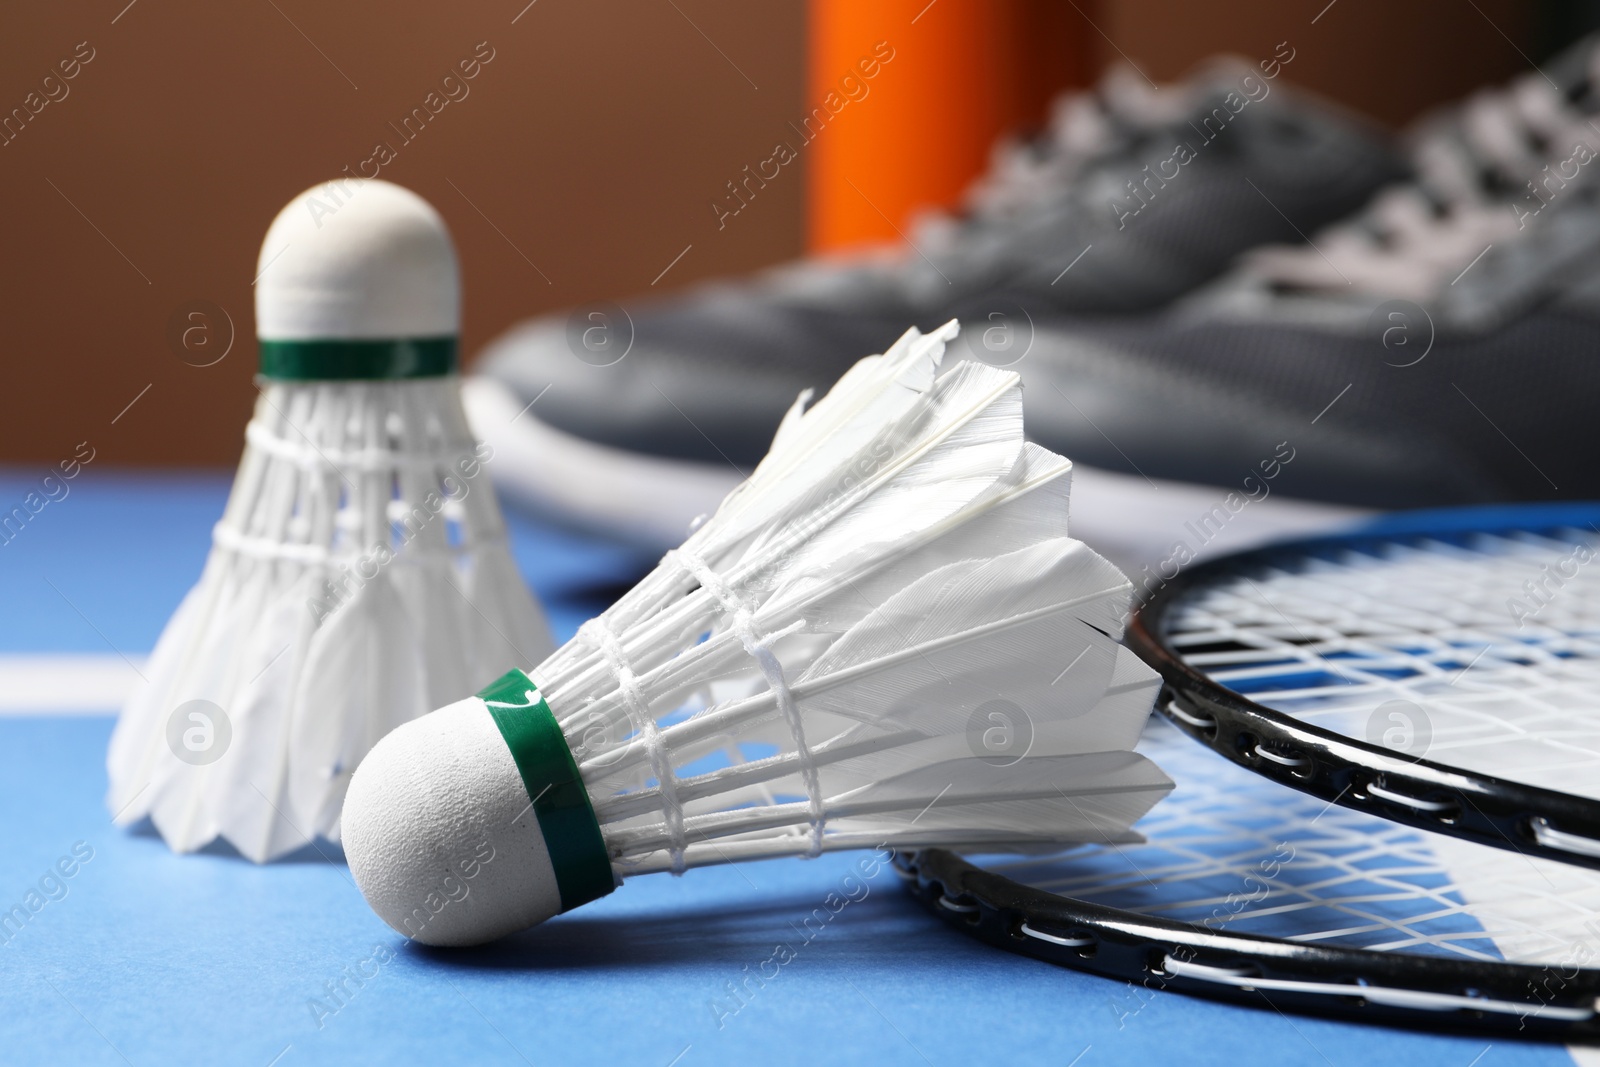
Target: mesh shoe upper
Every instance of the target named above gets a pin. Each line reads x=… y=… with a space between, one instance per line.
x=1437 y=349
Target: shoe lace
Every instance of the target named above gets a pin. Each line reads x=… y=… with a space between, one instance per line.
x=1469 y=170
x=1086 y=128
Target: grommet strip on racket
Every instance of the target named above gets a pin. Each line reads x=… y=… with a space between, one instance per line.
x=1252 y=893
x=1442 y=671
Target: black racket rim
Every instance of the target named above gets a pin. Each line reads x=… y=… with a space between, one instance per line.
x=1351 y=772
x=1553 y=1002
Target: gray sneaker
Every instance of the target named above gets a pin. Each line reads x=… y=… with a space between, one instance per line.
x=1437 y=349
x=1132 y=197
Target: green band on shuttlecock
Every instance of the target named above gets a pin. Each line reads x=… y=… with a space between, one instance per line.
x=402 y=357
x=550 y=775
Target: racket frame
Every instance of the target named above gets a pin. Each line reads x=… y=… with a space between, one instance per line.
x=1556 y=1002
x=1348 y=771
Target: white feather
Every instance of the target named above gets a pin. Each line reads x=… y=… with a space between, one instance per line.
x=334 y=475
x=900 y=559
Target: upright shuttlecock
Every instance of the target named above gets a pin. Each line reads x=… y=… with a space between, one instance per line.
x=360 y=574
x=883 y=638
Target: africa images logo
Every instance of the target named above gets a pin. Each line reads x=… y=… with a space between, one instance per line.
x=199 y=732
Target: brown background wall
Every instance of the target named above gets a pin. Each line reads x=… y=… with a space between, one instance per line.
x=590 y=145
x=1388 y=58
x=582 y=162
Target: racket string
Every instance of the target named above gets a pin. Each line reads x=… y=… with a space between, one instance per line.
x=1231 y=851
x=1434 y=626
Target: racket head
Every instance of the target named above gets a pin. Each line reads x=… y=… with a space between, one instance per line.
x=1249 y=892
x=1182 y=630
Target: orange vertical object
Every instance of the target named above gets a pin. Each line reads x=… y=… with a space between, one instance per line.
x=906 y=97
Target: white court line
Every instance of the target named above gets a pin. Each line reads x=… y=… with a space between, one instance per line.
x=70 y=683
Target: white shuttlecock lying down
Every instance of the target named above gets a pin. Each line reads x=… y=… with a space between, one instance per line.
x=359 y=576
x=883 y=638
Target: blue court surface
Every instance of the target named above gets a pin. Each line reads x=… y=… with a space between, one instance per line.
x=144 y=957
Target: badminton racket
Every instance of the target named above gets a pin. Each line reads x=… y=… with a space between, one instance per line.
x=1442 y=671
x=1247 y=891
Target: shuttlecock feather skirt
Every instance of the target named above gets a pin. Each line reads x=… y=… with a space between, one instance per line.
x=359 y=577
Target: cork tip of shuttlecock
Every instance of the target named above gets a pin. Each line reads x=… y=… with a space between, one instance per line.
x=440 y=835
x=357 y=259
